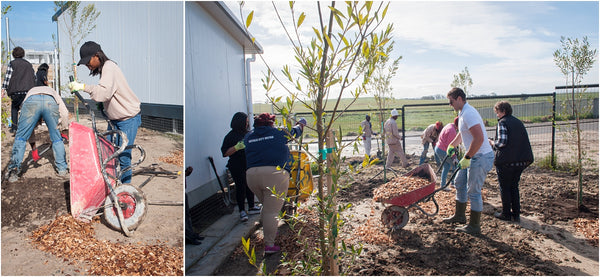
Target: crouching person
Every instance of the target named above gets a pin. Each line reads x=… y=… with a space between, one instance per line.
x=268 y=167
x=40 y=102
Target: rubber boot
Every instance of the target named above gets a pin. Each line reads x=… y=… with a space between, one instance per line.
x=474 y=226
x=459 y=215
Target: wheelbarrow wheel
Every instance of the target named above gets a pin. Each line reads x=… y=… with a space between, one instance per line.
x=133 y=206
x=394 y=217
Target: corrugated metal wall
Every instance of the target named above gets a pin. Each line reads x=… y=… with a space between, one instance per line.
x=214 y=91
x=145 y=39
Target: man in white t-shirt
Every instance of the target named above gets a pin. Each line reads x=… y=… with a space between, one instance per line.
x=476 y=163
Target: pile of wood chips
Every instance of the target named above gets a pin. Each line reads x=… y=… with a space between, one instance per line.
x=70 y=239
x=398 y=186
x=175 y=157
x=373 y=232
x=589 y=228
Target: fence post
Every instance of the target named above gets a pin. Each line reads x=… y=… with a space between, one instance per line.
x=552 y=163
x=403 y=133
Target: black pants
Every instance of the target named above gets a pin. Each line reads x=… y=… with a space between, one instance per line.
x=509 y=177
x=242 y=192
x=15 y=106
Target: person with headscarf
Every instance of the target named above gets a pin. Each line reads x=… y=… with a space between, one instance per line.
x=430 y=136
x=268 y=163
x=366 y=135
x=233 y=147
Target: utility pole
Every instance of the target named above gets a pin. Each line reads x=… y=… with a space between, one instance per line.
x=8 y=40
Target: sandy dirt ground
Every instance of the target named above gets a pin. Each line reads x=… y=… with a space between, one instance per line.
x=40 y=195
x=551 y=239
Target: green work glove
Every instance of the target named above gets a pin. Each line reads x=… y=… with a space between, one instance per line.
x=451 y=150
x=239 y=146
x=464 y=163
x=76 y=86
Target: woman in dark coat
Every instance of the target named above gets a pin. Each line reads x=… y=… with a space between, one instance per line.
x=512 y=155
x=233 y=147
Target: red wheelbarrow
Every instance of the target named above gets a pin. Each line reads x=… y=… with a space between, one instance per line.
x=396 y=215
x=95 y=177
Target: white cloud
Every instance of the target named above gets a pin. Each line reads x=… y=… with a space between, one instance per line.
x=504 y=51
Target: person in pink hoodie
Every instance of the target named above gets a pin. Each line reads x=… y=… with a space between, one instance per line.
x=446 y=136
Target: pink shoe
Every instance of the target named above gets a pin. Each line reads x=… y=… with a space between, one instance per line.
x=272 y=249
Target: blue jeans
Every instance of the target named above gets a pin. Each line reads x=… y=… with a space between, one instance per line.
x=440 y=155
x=130 y=128
x=424 y=153
x=469 y=181
x=34 y=108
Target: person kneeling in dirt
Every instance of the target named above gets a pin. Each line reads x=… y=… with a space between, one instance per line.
x=40 y=102
x=268 y=167
x=513 y=155
x=476 y=163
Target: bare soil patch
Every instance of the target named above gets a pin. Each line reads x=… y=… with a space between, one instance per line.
x=40 y=197
x=551 y=239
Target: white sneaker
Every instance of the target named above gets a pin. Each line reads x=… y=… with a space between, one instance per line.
x=254 y=210
x=243 y=216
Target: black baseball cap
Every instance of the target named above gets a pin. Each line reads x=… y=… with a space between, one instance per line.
x=87 y=51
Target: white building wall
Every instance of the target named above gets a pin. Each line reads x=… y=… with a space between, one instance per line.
x=145 y=39
x=214 y=91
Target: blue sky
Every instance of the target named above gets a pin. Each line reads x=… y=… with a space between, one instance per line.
x=507 y=46
x=30 y=23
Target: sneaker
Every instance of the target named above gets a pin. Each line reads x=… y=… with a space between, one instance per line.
x=13 y=176
x=447 y=188
x=63 y=173
x=243 y=216
x=272 y=249
x=502 y=216
x=254 y=210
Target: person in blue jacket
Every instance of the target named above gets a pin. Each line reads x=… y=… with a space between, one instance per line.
x=268 y=164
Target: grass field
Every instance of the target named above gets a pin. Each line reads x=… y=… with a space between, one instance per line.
x=420 y=113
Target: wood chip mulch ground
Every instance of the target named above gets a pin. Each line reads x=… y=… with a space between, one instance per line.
x=589 y=228
x=175 y=157
x=72 y=240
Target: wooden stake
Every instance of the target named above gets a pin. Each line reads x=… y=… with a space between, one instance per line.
x=330 y=144
x=76 y=103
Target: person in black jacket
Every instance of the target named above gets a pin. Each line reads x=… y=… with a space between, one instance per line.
x=19 y=79
x=512 y=155
x=233 y=147
x=41 y=76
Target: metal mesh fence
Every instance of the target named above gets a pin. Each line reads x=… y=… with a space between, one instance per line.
x=535 y=110
x=161 y=124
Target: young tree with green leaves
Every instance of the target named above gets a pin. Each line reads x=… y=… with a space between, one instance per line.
x=463 y=80
x=380 y=83
x=328 y=71
x=575 y=58
x=77 y=22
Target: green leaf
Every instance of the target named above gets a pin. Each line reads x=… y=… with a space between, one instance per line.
x=318 y=34
x=301 y=19
x=385 y=11
x=329 y=41
x=249 y=19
